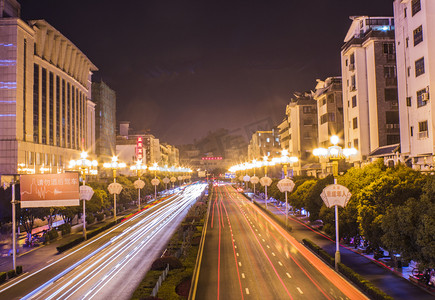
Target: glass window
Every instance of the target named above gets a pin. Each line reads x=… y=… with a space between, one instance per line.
x=331 y=98
x=418 y=35
x=323 y=118
x=390 y=71
x=355 y=123
x=389 y=48
x=422 y=97
x=35 y=103
x=354 y=101
x=390 y=94
x=392 y=117
x=416 y=6
x=355 y=144
x=331 y=117
x=419 y=67
x=422 y=126
x=353 y=83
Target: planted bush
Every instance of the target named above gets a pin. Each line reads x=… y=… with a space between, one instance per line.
x=100 y=217
x=50 y=235
x=11 y=274
x=19 y=270
x=65 y=229
x=162 y=262
x=90 y=219
x=2 y=277
x=69 y=245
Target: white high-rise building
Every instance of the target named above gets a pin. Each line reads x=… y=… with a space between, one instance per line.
x=370 y=103
x=415 y=44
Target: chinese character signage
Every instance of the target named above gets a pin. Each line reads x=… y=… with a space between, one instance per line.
x=46 y=190
x=139 y=148
x=335 y=194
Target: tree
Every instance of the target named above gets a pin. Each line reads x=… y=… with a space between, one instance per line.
x=313 y=201
x=298 y=196
x=27 y=218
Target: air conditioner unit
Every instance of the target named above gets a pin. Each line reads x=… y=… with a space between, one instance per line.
x=425 y=96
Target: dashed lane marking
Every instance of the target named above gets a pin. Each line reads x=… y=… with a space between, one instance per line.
x=237 y=254
x=299 y=290
x=273 y=253
x=243 y=275
x=280 y=263
x=240 y=264
x=247 y=291
x=288 y=275
x=268 y=246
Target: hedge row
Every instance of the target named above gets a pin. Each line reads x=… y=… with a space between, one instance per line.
x=90 y=234
x=372 y=291
x=10 y=274
x=272 y=215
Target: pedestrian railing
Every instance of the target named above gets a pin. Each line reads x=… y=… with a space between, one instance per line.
x=160 y=281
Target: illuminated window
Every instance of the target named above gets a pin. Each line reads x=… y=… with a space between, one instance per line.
x=419 y=67
x=418 y=35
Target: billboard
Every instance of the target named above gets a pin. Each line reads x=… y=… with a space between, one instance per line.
x=46 y=190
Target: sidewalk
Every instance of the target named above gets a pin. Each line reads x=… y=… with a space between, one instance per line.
x=391 y=281
x=44 y=253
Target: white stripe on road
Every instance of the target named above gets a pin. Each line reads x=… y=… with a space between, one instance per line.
x=288 y=275
x=299 y=290
x=247 y=291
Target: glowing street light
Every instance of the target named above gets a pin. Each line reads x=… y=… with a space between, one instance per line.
x=114 y=188
x=139 y=183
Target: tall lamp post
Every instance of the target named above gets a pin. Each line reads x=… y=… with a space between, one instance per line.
x=114 y=188
x=155 y=181
x=139 y=183
x=265 y=181
x=86 y=166
x=334 y=195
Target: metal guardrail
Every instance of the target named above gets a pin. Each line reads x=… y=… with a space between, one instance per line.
x=160 y=281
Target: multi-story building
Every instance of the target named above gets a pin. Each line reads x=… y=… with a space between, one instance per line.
x=328 y=94
x=370 y=102
x=169 y=155
x=299 y=130
x=415 y=29
x=264 y=143
x=105 y=119
x=46 y=113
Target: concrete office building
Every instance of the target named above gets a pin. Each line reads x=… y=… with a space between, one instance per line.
x=415 y=43
x=264 y=143
x=370 y=102
x=46 y=113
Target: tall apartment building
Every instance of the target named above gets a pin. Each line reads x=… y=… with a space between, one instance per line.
x=105 y=119
x=264 y=143
x=415 y=43
x=370 y=102
x=328 y=94
x=46 y=115
x=298 y=131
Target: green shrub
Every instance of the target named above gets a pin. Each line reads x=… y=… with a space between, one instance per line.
x=100 y=217
x=50 y=235
x=69 y=245
x=90 y=219
x=65 y=229
x=11 y=274
x=2 y=277
x=19 y=270
x=162 y=262
x=108 y=213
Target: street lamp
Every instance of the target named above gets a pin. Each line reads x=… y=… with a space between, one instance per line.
x=85 y=166
x=335 y=153
x=265 y=181
x=286 y=185
x=114 y=188
x=155 y=181
x=139 y=184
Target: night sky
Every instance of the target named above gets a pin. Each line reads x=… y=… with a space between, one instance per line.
x=184 y=68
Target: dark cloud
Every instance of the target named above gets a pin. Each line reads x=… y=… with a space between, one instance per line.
x=183 y=68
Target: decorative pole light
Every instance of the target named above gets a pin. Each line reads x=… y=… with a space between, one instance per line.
x=166 y=180
x=139 y=183
x=286 y=185
x=85 y=166
x=155 y=182
x=265 y=181
x=335 y=194
x=114 y=188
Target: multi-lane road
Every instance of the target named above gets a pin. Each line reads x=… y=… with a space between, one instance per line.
x=247 y=256
x=111 y=265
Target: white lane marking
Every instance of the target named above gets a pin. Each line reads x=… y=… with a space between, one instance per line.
x=240 y=264
x=243 y=275
x=288 y=275
x=259 y=234
x=237 y=254
x=235 y=246
x=273 y=253
x=264 y=240
x=280 y=263
x=268 y=246
x=299 y=290
x=247 y=291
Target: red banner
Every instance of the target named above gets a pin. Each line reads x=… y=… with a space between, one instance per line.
x=46 y=190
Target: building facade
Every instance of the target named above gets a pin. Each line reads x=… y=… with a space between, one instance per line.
x=415 y=42
x=105 y=119
x=328 y=94
x=45 y=96
x=370 y=101
x=264 y=143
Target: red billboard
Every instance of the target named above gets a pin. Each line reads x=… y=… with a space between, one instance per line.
x=46 y=190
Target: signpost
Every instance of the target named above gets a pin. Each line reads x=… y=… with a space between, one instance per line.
x=336 y=195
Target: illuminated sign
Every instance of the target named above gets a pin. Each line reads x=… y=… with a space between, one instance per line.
x=212 y=158
x=139 y=148
x=46 y=190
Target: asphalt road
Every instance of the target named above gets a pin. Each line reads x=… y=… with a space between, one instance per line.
x=247 y=256
x=111 y=265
